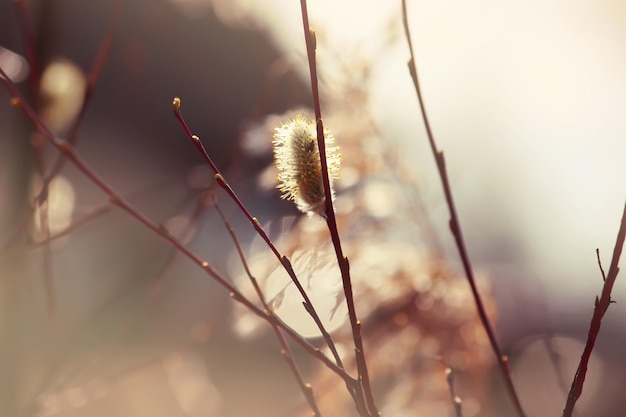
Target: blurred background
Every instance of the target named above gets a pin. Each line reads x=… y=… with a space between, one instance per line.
x=525 y=98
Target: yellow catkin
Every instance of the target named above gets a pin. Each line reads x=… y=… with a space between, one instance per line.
x=297 y=158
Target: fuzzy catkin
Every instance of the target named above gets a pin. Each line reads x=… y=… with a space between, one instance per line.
x=297 y=158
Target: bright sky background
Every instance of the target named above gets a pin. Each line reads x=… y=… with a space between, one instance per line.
x=526 y=98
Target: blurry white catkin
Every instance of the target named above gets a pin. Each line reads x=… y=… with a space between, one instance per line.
x=63 y=87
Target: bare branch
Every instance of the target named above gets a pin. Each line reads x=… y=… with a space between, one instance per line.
x=601 y=306
x=455 y=227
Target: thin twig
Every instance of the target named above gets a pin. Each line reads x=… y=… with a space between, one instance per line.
x=456 y=400
x=344 y=265
x=457 y=403
x=600 y=308
x=455 y=228
x=30 y=46
x=306 y=388
x=43 y=216
x=62 y=146
x=92 y=80
x=52 y=380
x=92 y=214
x=600 y=264
x=221 y=181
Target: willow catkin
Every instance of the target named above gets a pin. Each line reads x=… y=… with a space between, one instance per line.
x=297 y=158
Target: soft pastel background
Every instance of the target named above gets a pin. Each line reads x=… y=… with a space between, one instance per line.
x=527 y=100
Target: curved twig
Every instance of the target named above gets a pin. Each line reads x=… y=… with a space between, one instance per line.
x=64 y=147
x=455 y=228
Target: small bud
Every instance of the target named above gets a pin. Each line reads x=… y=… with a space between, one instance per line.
x=220 y=180
x=16 y=102
x=313 y=38
x=297 y=158
x=114 y=200
x=164 y=230
x=64 y=146
x=176 y=105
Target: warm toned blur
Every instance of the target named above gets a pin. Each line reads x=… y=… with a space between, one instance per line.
x=100 y=316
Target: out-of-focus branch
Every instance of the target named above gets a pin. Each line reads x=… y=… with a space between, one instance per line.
x=10 y=250
x=306 y=388
x=29 y=45
x=116 y=199
x=455 y=227
x=92 y=80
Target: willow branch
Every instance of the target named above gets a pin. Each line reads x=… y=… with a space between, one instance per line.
x=601 y=306
x=342 y=260
x=455 y=228
x=116 y=199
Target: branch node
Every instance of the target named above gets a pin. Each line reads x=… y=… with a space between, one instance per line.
x=220 y=180
x=113 y=199
x=16 y=102
x=163 y=230
x=64 y=146
x=313 y=38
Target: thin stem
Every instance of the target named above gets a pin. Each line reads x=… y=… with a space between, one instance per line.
x=600 y=264
x=30 y=46
x=455 y=228
x=92 y=80
x=285 y=350
x=10 y=250
x=64 y=147
x=43 y=215
x=456 y=400
x=344 y=265
x=221 y=181
x=34 y=60
x=457 y=403
x=601 y=306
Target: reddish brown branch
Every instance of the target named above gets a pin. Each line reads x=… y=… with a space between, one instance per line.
x=221 y=181
x=600 y=264
x=30 y=46
x=455 y=227
x=64 y=147
x=601 y=306
x=92 y=80
x=306 y=388
x=37 y=143
x=344 y=266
